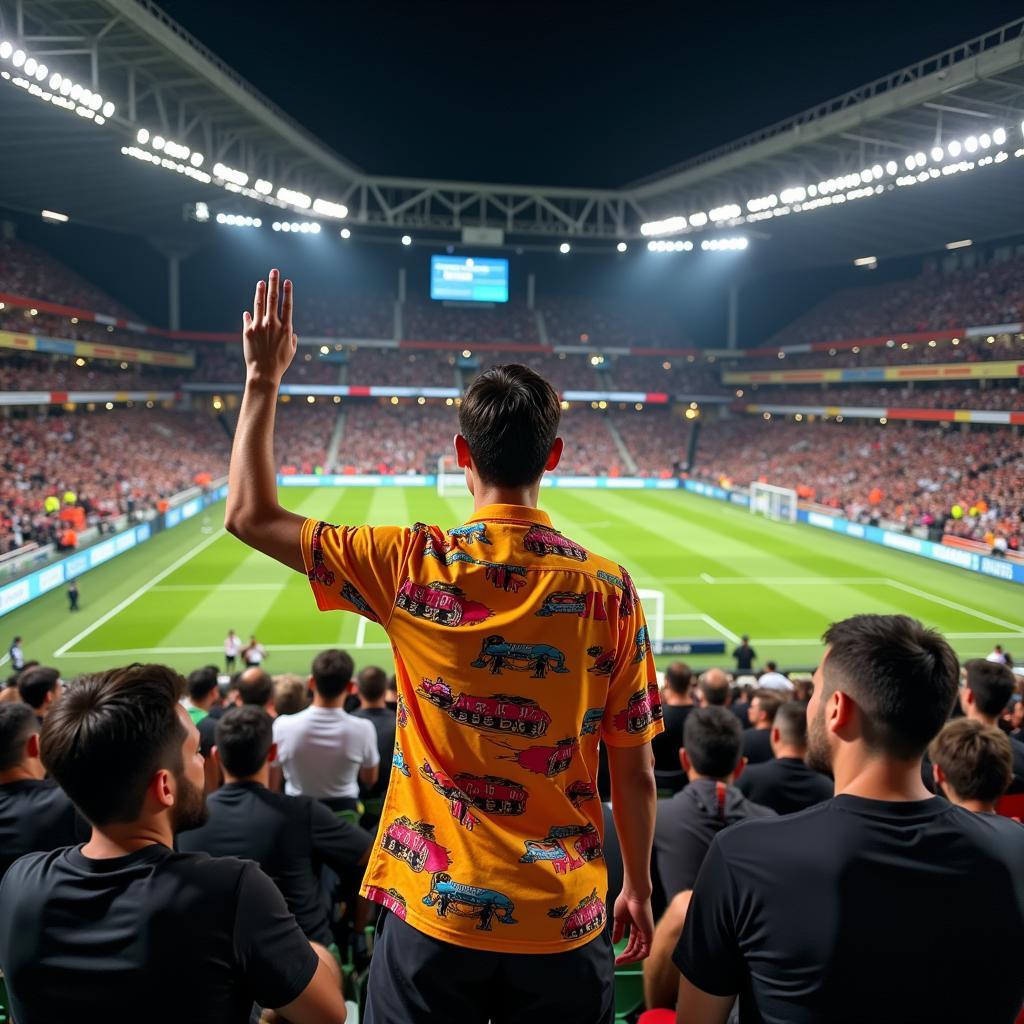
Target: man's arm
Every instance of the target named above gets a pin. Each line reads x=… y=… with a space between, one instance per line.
x=253 y=513
x=321 y=1002
x=368 y=775
x=661 y=976
x=697 y=1007
x=634 y=800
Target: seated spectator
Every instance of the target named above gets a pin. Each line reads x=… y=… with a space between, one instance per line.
x=324 y=751
x=785 y=783
x=688 y=822
x=715 y=689
x=203 y=693
x=984 y=694
x=39 y=688
x=291 y=694
x=677 y=702
x=810 y=896
x=772 y=679
x=255 y=687
x=372 y=684
x=973 y=764
x=124 y=928
x=35 y=815
x=290 y=837
x=757 y=740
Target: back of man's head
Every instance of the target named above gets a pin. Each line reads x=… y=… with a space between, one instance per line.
x=17 y=723
x=768 y=704
x=202 y=682
x=901 y=676
x=332 y=672
x=991 y=684
x=679 y=678
x=771 y=666
x=244 y=737
x=373 y=684
x=714 y=685
x=34 y=684
x=976 y=760
x=509 y=418
x=791 y=724
x=291 y=694
x=109 y=734
x=712 y=739
x=255 y=687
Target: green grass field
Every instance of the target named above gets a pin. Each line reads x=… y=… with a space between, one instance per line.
x=722 y=570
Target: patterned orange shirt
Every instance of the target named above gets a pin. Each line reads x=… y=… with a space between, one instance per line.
x=517 y=653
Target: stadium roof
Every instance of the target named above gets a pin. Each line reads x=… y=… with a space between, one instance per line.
x=165 y=82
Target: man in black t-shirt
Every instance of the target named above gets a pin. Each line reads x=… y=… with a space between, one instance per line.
x=290 y=837
x=372 y=683
x=687 y=823
x=123 y=929
x=986 y=690
x=785 y=783
x=677 y=702
x=35 y=815
x=744 y=655
x=757 y=740
x=39 y=688
x=841 y=913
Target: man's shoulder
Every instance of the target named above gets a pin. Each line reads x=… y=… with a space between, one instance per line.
x=761 y=828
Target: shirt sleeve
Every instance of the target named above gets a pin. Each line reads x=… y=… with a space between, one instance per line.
x=336 y=843
x=274 y=957
x=355 y=568
x=708 y=953
x=633 y=712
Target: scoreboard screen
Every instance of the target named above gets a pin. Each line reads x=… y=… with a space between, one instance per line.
x=468 y=279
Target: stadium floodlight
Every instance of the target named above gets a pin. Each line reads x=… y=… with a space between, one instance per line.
x=225 y=173
x=263 y=186
x=304 y=227
x=985 y=140
x=954 y=148
x=345 y=233
x=564 y=248
x=938 y=153
x=663 y=227
x=891 y=167
x=202 y=212
x=406 y=239
x=30 y=66
x=6 y=49
x=793 y=195
x=962 y=244
x=726 y=212
x=19 y=58
x=724 y=244
x=698 y=220
x=60 y=218
x=196 y=159
x=999 y=136
x=293 y=198
x=238 y=220
x=866 y=261
x=158 y=142
x=621 y=247
x=971 y=144
x=329 y=209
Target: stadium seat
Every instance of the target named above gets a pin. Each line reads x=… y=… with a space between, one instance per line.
x=657 y=1017
x=1012 y=806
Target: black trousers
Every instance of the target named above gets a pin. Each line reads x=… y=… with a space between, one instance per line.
x=417 y=979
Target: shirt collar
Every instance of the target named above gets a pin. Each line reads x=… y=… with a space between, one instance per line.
x=511 y=513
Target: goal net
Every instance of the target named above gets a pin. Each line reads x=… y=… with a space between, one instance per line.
x=450 y=479
x=773 y=502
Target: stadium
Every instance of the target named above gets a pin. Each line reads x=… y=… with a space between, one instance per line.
x=787 y=368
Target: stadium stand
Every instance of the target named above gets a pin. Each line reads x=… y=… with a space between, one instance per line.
x=992 y=395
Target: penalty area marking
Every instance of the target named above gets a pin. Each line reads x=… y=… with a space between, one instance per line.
x=135 y=595
x=271 y=648
x=966 y=609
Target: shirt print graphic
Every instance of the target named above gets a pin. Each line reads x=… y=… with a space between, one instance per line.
x=517 y=653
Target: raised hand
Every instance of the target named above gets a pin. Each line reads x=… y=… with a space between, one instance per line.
x=267 y=337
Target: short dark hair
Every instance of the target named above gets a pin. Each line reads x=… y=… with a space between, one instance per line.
x=332 y=672
x=254 y=686
x=712 y=739
x=976 y=759
x=770 y=702
x=110 y=732
x=392 y=683
x=202 y=681
x=902 y=676
x=771 y=666
x=509 y=417
x=992 y=685
x=35 y=683
x=244 y=736
x=291 y=694
x=791 y=721
x=17 y=723
x=715 y=694
x=372 y=682
x=679 y=678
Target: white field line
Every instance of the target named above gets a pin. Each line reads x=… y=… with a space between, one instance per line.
x=955 y=606
x=684 y=617
x=816 y=642
x=211 y=587
x=707 y=578
x=791 y=581
x=131 y=598
x=6 y=658
x=716 y=625
x=139 y=651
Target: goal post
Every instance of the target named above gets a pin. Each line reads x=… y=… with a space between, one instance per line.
x=450 y=479
x=773 y=502
x=653 y=603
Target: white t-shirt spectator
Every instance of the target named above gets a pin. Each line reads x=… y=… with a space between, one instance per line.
x=321 y=750
x=232 y=646
x=775 y=681
x=999 y=657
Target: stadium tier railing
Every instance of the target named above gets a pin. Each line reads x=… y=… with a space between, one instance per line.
x=872 y=412
x=185 y=506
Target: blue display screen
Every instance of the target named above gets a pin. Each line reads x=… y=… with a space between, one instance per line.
x=468 y=279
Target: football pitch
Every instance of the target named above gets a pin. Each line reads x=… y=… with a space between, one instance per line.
x=723 y=572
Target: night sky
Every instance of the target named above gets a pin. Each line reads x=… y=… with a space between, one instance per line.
x=561 y=93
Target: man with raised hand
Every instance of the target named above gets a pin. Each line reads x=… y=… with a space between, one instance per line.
x=839 y=914
x=517 y=653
